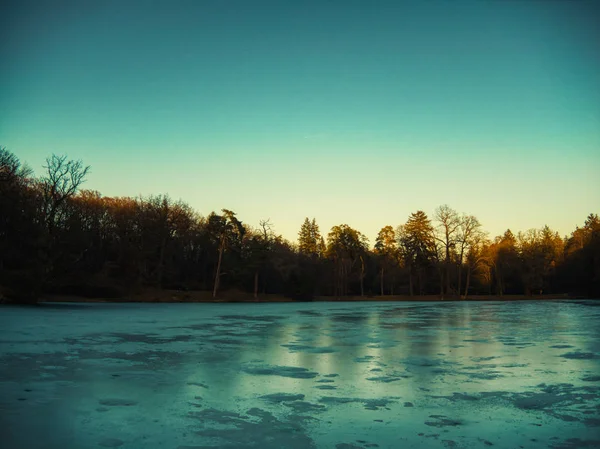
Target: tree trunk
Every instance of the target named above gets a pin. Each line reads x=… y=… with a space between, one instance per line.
x=498 y=281
x=459 y=279
x=381 y=283
x=410 y=280
x=218 y=275
x=256 y=283
x=345 y=277
x=362 y=276
x=447 y=267
x=467 y=283
x=161 y=261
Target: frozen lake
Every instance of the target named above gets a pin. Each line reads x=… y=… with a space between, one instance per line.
x=301 y=375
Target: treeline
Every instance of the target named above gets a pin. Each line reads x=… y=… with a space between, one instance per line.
x=56 y=238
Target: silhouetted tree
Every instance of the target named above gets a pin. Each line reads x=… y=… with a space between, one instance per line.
x=417 y=248
x=229 y=231
x=347 y=248
x=386 y=248
x=57 y=238
x=469 y=236
x=448 y=226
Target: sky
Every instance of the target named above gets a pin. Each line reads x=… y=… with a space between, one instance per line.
x=351 y=112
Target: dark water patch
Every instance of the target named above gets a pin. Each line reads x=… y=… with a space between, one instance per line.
x=325 y=381
x=592 y=422
x=365 y=359
x=266 y=318
x=409 y=404
x=275 y=370
x=309 y=349
x=150 y=338
x=141 y=358
x=431 y=435
x=427 y=362
x=562 y=346
x=117 y=402
x=263 y=431
x=198 y=384
x=490 y=375
x=347 y=446
x=484 y=359
x=326 y=387
x=282 y=397
x=217 y=416
x=576 y=443
x=330 y=375
x=225 y=341
x=201 y=447
x=561 y=401
x=579 y=355
x=443 y=421
x=384 y=379
x=591 y=379
x=295 y=347
x=309 y=313
x=537 y=401
x=478 y=367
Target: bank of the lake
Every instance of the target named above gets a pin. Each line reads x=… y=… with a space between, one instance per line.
x=178 y=296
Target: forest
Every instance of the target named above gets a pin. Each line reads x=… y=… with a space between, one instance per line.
x=58 y=238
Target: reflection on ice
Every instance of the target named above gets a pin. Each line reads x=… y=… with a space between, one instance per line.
x=344 y=375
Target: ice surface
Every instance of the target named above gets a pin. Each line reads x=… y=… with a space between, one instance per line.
x=306 y=375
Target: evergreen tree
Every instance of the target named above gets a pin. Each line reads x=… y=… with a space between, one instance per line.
x=310 y=241
x=417 y=247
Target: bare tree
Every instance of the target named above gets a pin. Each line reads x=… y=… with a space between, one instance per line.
x=63 y=178
x=469 y=234
x=11 y=169
x=265 y=246
x=448 y=224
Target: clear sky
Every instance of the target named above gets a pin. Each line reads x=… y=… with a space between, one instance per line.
x=352 y=112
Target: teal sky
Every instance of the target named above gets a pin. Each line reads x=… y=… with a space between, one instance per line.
x=352 y=112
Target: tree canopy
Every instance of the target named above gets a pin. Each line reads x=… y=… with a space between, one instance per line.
x=57 y=238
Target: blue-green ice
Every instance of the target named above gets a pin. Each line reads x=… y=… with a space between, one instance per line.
x=301 y=375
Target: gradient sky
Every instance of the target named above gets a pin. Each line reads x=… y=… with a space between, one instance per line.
x=352 y=112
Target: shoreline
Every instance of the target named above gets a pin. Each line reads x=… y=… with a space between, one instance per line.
x=167 y=296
